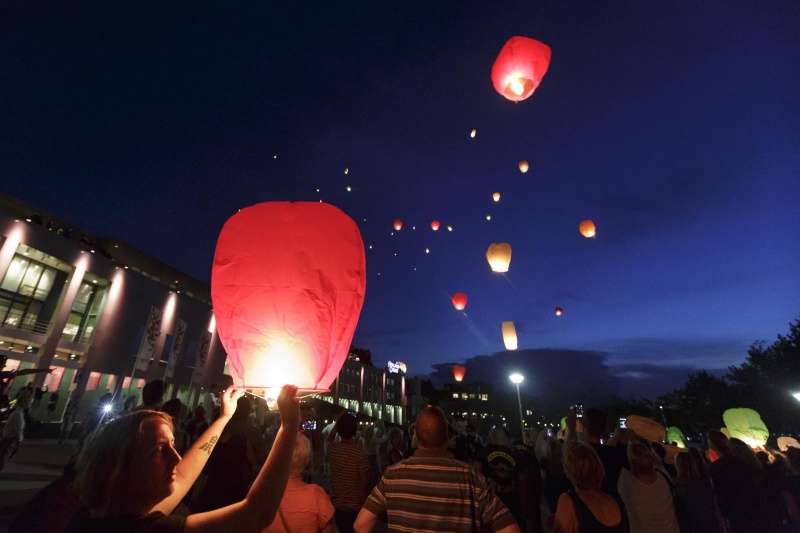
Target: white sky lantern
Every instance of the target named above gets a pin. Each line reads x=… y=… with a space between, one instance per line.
x=509 y=335
x=499 y=256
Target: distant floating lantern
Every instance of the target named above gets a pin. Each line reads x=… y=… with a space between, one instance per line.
x=346 y=170
x=398 y=224
x=520 y=67
x=435 y=225
x=509 y=335
x=499 y=256
x=458 y=372
x=473 y=133
x=288 y=283
x=488 y=217
x=349 y=188
x=496 y=197
x=523 y=166
x=449 y=228
x=587 y=229
x=558 y=311
x=459 y=301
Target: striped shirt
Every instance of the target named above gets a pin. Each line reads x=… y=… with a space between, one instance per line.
x=349 y=470
x=433 y=492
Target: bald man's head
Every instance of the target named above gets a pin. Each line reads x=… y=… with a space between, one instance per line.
x=431 y=429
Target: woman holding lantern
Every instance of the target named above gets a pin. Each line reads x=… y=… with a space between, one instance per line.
x=130 y=476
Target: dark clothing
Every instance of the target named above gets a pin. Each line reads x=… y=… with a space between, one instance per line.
x=152 y=523
x=587 y=523
x=533 y=475
x=467 y=448
x=345 y=520
x=699 y=507
x=739 y=495
x=228 y=472
x=503 y=468
x=614 y=459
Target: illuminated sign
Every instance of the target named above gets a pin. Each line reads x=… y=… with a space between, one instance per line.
x=396 y=368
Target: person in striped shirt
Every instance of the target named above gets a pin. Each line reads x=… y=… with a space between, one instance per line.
x=433 y=492
x=349 y=472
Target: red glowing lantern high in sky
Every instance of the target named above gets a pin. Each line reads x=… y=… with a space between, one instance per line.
x=288 y=282
x=398 y=224
x=520 y=67
x=435 y=225
x=458 y=372
x=459 y=301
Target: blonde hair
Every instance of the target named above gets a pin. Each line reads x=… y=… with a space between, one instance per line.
x=583 y=466
x=104 y=463
x=302 y=450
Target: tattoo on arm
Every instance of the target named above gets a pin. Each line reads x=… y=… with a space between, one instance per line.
x=208 y=446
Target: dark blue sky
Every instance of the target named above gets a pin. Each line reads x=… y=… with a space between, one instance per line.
x=674 y=127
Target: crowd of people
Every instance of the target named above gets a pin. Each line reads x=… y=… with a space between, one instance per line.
x=161 y=467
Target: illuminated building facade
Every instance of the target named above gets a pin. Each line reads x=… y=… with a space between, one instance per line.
x=78 y=304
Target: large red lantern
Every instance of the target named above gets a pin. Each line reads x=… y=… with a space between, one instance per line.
x=288 y=282
x=458 y=372
x=520 y=67
x=398 y=224
x=459 y=301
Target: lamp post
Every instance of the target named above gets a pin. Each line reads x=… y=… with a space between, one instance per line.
x=517 y=379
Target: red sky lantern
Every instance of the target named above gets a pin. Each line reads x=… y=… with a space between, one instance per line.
x=458 y=372
x=435 y=225
x=558 y=311
x=288 y=283
x=587 y=229
x=459 y=301
x=398 y=224
x=520 y=67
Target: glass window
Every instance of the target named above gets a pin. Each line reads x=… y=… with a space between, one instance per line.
x=85 y=311
x=13 y=277
x=25 y=291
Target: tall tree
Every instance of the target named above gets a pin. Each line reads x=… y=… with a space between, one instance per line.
x=768 y=378
x=699 y=405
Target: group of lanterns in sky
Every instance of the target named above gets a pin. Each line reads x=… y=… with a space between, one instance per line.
x=269 y=313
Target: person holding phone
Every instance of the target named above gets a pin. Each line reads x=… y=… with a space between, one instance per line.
x=613 y=455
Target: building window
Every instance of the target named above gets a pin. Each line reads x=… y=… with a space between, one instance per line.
x=455 y=395
x=29 y=294
x=83 y=316
x=484 y=397
x=472 y=396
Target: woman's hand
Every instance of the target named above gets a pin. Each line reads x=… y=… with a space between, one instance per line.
x=228 y=401
x=289 y=406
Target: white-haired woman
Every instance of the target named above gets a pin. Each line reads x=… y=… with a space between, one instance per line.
x=305 y=508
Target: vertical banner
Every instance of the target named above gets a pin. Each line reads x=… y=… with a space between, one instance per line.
x=151 y=333
x=177 y=346
x=202 y=355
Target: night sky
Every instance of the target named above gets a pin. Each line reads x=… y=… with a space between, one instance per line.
x=674 y=126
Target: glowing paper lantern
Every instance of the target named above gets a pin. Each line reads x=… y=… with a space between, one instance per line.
x=746 y=425
x=435 y=225
x=587 y=229
x=472 y=133
x=496 y=197
x=499 y=256
x=523 y=166
x=458 y=372
x=558 y=311
x=676 y=435
x=509 y=335
x=459 y=301
x=398 y=224
x=288 y=282
x=646 y=428
x=520 y=67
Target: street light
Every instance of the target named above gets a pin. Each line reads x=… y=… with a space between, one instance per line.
x=796 y=396
x=517 y=379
